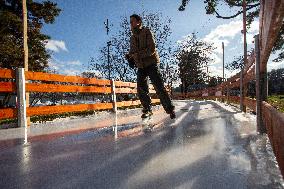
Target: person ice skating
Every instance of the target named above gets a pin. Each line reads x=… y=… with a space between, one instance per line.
x=144 y=56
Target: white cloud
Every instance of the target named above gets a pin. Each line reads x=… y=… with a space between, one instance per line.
x=254 y=27
x=233 y=48
x=250 y=38
x=56 y=45
x=225 y=30
x=275 y=65
x=70 y=71
x=223 y=33
x=216 y=59
x=75 y=63
x=66 y=67
x=251 y=32
x=217 y=70
x=227 y=33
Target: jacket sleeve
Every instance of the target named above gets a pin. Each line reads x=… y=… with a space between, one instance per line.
x=150 y=49
x=132 y=49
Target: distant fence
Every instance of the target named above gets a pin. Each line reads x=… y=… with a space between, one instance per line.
x=268 y=118
x=37 y=82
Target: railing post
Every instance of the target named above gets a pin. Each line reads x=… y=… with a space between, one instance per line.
x=113 y=94
x=259 y=86
x=228 y=92
x=241 y=90
x=21 y=100
x=245 y=89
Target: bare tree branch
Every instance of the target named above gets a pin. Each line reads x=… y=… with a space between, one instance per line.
x=238 y=13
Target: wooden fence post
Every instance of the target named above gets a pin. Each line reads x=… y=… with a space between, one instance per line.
x=21 y=101
x=241 y=90
x=258 y=88
x=21 y=97
x=228 y=92
x=113 y=94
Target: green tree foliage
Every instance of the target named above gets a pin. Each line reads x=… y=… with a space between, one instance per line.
x=193 y=56
x=214 y=81
x=276 y=81
x=11 y=33
x=253 y=8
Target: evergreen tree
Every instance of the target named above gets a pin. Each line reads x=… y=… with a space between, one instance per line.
x=11 y=33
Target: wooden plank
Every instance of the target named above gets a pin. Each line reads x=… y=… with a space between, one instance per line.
x=7 y=113
x=7 y=87
x=234 y=99
x=125 y=90
x=130 y=84
x=274 y=122
x=49 y=88
x=155 y=100
x=7 y=73
x=46 y=110
x=128 y=103
x=251 y=103
x=125 y=84
x=134 y=103
x=40 y=76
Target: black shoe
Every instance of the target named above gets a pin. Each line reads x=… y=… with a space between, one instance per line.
x=172 y=115
x=146 y=114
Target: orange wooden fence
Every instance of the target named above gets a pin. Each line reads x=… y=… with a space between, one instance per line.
x=38 y=83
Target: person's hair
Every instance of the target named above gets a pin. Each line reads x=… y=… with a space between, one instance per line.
x=137 y=17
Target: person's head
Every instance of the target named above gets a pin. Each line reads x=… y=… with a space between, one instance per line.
x=135 y=21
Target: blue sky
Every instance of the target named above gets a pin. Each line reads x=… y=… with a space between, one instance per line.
x=79 y=30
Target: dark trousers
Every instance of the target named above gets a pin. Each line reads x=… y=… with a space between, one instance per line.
x=155 y=76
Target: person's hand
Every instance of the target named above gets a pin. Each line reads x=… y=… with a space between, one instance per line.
x=130 y=60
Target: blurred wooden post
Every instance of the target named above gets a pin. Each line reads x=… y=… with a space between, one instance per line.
x=26 y=49
x=114 y=105
x=21 y=101
x=223 y=78
x=228 y=92
x=241 y=91
x=258 y=88
x=243 y=107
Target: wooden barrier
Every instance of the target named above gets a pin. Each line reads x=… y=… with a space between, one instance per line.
x=7 y=113
x=47 y=110
x=65 y=84
x=7 y=87
x=7 y=73
x=274 y=122
x=40 y=76
x=52 y=88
